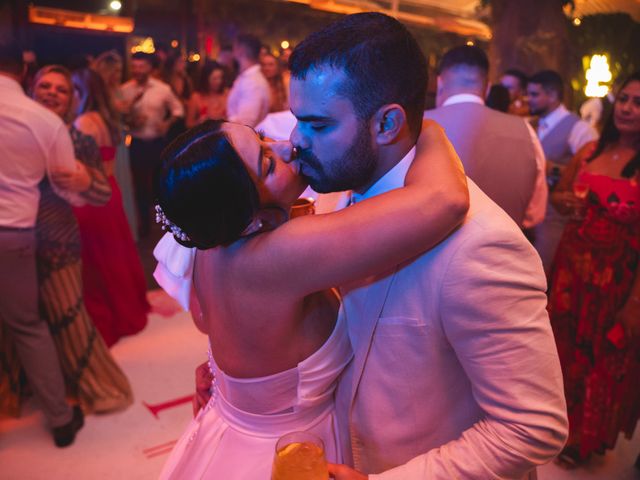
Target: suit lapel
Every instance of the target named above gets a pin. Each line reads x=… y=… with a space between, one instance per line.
x=375 y=298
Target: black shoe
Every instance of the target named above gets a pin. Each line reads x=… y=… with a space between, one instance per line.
x=65 y=435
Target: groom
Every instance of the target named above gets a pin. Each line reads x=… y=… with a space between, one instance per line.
x=455 y=373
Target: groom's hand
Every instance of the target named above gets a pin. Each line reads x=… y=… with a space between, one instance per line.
x=342 y=472
x=203 y=384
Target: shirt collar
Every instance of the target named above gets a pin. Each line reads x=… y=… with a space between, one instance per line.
x=394 y=178
x=10 y=84
x=553 y=118
x=463 y=98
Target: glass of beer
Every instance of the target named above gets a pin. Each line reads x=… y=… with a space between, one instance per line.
x=299 y=456
x=303 y=206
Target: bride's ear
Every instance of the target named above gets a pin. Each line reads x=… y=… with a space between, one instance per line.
x=253 y=227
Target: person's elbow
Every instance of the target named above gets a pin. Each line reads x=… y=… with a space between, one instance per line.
x=457 y=202
x=543 y=443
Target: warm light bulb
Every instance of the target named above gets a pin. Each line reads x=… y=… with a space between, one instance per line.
x=598 y=72
x=577 y=22
x=470 y=43
x=174 y=43
x=284 y=44
x=115 y=5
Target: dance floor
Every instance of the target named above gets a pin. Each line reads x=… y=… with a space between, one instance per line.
x=134 y=444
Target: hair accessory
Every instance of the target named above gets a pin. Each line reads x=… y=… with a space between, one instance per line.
x=169 y=225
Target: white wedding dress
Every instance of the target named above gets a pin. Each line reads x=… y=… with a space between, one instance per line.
x=234 y=436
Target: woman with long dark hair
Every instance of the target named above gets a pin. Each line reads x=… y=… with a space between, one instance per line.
x=594 y=301
x=114 y=284
x=209 y=101
x=278 y=86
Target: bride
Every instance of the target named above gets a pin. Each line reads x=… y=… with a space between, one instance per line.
x=262 y=284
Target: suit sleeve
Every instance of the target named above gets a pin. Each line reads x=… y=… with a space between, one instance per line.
x=493 y=314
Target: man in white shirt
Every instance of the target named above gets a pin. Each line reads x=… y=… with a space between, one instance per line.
x=455 y=371
x=33 y=143
x=153 y=109
x=500 y=153
x=249 y=98
x=562 y=133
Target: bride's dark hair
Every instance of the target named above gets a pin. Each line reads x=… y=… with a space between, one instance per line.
x=204 y=187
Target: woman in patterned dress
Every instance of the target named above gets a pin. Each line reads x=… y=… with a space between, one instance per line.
x=594 y=301
x=91 y=375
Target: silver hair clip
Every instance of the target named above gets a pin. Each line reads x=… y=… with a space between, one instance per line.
x=169 y=225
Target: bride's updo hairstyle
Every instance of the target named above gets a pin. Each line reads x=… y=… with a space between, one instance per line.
x=204 y=188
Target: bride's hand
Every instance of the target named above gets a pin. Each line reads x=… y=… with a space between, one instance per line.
x=203 y=385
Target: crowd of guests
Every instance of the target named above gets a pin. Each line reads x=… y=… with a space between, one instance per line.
x=570 y=184
x=82 y=202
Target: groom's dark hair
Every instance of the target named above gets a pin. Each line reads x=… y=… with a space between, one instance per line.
x=381 y=59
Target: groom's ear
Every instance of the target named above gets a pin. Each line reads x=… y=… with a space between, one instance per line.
x=388 y=123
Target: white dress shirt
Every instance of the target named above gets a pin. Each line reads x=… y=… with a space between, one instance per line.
x=33 y=142
x=249 y=98
x=157 y=100
x=391 y=180
x=538 y=204
x=581 y=133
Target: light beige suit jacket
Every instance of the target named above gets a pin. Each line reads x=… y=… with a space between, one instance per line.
x=455 y=373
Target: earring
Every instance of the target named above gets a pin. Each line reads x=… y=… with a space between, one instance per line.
x=253 y=227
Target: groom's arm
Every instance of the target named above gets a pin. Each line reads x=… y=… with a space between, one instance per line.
x=493 y=310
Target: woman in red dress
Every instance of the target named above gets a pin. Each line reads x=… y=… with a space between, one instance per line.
x=594 y=301
x=114 y=283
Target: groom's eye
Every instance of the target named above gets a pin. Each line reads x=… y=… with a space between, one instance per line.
x=316 y=127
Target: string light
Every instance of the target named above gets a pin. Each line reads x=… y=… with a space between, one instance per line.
x=115 y=5
x=145 y=46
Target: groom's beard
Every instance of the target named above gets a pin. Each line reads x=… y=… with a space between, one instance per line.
x=347 y=172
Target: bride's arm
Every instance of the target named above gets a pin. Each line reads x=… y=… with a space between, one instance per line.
x=316 y=252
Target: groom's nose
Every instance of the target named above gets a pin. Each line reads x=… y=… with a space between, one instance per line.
x=283 y=149
x=297 y=139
